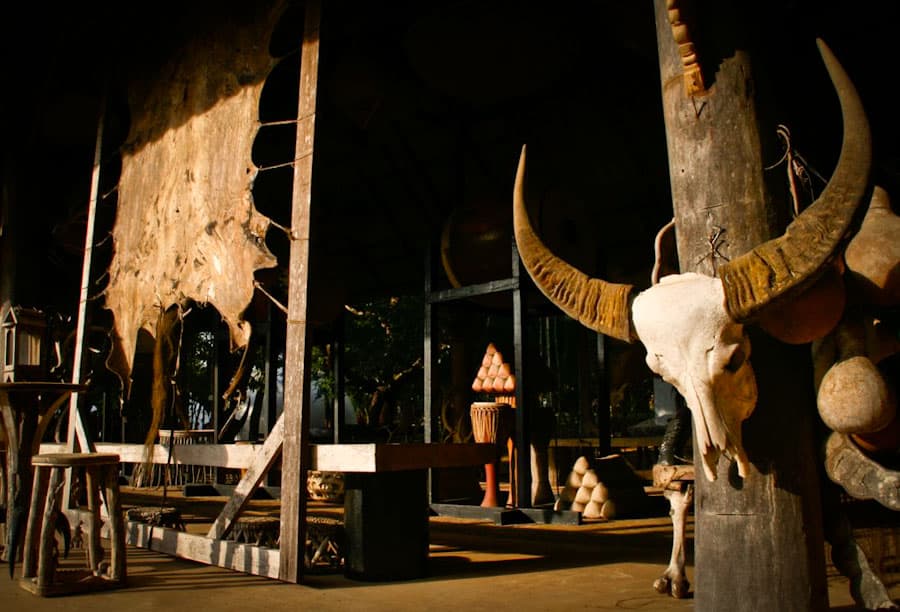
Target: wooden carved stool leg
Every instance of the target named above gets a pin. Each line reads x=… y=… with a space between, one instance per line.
x=117 y=570
x=674 y=580
x=94 y=548
x=46 y=558
x=35 y=513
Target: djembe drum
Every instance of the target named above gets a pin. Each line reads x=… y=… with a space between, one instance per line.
x=491 y=423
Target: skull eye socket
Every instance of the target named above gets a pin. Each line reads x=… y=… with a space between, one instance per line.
x=738 y=357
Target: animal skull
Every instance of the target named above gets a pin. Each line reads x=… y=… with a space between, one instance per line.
x=695 y=346
x=693 y=325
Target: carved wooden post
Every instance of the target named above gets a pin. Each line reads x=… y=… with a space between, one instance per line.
x=758 y=540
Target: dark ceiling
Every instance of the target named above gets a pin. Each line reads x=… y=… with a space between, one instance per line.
x=422 y=110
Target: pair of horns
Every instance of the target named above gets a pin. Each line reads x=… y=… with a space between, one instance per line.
x=776 y=269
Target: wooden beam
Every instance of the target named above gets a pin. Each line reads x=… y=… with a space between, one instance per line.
x=295 y=462
x=257 y=470
x=462 y=293
x=256 y=560
x=377 y=458
x=233 y=456
x=366 y=458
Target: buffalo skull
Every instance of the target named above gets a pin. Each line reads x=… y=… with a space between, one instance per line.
x=692 y=325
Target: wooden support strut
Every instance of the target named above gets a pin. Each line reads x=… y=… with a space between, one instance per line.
x=243 y=492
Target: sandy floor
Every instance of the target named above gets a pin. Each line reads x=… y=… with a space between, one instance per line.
x=473 y=566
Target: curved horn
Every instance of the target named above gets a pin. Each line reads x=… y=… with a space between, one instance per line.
x=794 y=260
x=601 y=306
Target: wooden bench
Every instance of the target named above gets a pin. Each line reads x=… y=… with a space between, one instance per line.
x=158 y=516
x=386 y=505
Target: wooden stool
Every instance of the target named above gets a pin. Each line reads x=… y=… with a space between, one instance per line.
x=257 y=530
x=157 y=516
x=324 y=542
x=39 y=571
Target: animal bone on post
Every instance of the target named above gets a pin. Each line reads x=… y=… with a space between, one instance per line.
x=692 y=325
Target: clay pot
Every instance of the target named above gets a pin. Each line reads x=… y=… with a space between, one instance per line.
x=809 y=316
x=873 y=255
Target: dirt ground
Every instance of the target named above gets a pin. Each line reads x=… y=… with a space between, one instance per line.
x=473 y=565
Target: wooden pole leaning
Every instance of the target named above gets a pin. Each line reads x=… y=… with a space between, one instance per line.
x=76 y=430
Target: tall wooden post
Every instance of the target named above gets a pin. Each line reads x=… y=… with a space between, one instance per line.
x=295 y=452
x=758 y=543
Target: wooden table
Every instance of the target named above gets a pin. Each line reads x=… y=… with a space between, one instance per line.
x=386 y=504
x=26 y=408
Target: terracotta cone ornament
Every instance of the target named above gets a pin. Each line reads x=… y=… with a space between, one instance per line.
x=492 y=421
x=494 y=375
x=701 y=348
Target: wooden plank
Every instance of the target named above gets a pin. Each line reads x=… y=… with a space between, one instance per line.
x=326 y=457
x=672 y=476
x=233 y=456
x=296 y=361
x=635 y=441
x=256 y=471
x=371 y=458
x=462 y=293
x=397 y=457
x=256 y=560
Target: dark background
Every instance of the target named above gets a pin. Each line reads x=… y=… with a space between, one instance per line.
x=422 y=110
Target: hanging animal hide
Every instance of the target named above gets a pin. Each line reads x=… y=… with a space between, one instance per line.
x=187 y=229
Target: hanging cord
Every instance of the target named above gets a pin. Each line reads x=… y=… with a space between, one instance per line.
x=262 y=290
x=797 y=169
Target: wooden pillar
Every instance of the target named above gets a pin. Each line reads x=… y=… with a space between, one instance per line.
x=338 y=418
x=604 y=423
x=295 y=452
x=758 y=543
x=523 y=424
x=429 y=352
